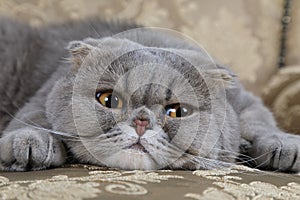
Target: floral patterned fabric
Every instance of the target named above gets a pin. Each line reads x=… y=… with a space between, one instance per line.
x=88 y=182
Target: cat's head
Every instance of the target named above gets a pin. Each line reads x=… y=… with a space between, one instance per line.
x=137 y=107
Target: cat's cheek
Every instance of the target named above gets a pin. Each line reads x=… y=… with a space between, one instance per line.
x=130 y=160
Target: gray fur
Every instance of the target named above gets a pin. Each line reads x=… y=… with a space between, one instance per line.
x=55 y=113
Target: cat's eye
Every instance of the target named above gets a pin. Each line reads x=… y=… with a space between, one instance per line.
x=177 y=110
x=109 y=100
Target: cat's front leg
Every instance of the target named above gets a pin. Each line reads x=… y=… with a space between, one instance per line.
x=269 y=147
x=30 y=149
x=279 y=151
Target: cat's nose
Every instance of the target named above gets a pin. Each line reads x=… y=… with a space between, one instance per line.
x=140 y=126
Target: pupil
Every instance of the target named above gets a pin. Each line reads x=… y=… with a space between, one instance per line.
x=112 y=101
x=108 y=101
x=181 y=112
x=178 y=112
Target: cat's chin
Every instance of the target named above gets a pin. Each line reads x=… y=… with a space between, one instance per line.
x=131 y=159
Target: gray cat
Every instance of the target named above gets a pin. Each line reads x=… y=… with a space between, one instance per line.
x=141 y=99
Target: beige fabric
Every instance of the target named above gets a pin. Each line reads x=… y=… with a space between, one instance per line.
x=282 y=95
x=88 y=182
x=243 y=34
x=293 y=44
x=282 y=92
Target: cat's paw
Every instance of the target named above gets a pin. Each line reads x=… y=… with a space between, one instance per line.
x=277 y=152
x=28 y=149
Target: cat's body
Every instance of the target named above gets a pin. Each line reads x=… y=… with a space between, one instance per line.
x=115 y=103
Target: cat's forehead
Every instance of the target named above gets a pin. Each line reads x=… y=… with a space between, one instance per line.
x=138 y=72
x=109 y=50
x=155 y=74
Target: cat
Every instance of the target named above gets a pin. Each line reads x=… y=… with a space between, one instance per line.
x=117 y=95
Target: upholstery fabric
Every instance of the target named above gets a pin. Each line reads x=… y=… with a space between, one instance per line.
x=282 y=95
x=90 y=182
x=293 y=44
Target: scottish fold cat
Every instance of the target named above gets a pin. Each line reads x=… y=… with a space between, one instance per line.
x=115 y=95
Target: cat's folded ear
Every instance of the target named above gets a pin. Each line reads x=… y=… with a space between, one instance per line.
x=78 y=50
x=222 y=76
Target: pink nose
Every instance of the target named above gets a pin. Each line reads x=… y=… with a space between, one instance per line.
x=141 y=126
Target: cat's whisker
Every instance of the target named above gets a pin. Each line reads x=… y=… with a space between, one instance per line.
x=227 y=151
x=214 y=164
x=41 y=128
x=204 y=163
x=251 y=160
x=173 y=151
x=167 y=153
x=245 y=159
x=91 y=25
x=264 y=162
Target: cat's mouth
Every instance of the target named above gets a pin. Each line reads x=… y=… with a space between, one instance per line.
x=138 y=147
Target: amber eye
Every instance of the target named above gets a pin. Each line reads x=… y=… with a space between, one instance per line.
x=109 y=100
x=177 y=110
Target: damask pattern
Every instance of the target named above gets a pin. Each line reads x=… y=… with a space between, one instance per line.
x=82 y=187
x=229 y=187
x=88 y=182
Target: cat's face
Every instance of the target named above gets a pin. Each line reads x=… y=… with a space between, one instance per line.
x=141 y=108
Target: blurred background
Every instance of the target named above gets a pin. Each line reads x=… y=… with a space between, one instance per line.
x=258 y=39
